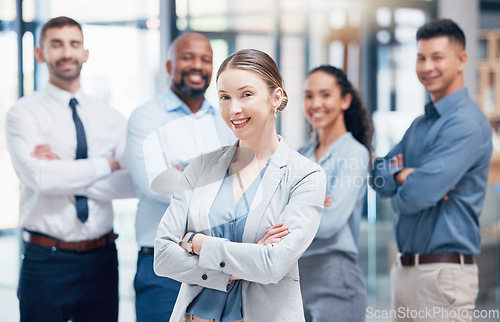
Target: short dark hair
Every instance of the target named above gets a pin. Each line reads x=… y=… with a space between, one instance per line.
x=442 y=27
x=57 y=22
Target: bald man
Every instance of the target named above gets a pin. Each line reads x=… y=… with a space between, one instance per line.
x=166 y=132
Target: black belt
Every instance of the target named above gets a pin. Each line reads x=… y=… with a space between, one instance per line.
x=411 y=260
x=147 y=250
x=78 y=246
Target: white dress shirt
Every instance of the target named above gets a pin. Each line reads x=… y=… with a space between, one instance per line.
x=48 y=187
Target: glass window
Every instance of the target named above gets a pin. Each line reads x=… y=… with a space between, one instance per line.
x=109 y=10
x=384 y=17
x=7 y=10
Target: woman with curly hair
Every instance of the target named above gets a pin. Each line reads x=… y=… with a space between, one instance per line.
x=331 y=281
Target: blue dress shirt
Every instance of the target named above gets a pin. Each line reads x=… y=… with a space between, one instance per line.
x=166 y=124
x=449 y=146
x=346 y=164
x=227 y=221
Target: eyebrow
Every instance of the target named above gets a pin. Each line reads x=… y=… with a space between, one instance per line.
x=60 y=41
x=433 y=53
x=322 y=90
x=239 y=89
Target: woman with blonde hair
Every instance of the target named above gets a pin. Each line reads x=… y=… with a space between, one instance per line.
x=246 y=213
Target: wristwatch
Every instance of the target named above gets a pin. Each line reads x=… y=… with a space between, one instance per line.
x=190 y=244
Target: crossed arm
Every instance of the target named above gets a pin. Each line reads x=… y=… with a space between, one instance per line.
x=114 y=186
x=439 y=169
x=263 y=263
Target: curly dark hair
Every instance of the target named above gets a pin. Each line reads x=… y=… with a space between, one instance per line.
x=356 y=118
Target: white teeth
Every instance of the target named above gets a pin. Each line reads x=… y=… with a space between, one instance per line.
x=195 y=78
x=240 y=122
x=317 y=115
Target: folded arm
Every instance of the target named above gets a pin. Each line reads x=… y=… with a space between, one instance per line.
x=269 y=263
x=118 y=185
x=171 y=259
x=59 y=177
x=382 y=178
x=455 y=150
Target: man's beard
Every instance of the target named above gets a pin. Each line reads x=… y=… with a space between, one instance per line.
x=66 y=76
x=184 y=89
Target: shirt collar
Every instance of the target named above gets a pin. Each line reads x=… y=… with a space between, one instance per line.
x=61 y=95
x=173 y=102
x=335 y=146
x=449 y=104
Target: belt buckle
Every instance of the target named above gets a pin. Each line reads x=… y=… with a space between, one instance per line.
x=26 y=236
x=416 y=260
x=77 y=247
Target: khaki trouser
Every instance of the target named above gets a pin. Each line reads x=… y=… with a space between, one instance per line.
x=439 y=292
x=191 y=317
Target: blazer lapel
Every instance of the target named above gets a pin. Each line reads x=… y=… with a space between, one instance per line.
x=267 y=188
x=207 y=189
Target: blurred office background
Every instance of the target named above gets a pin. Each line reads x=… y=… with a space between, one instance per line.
x=373 y=40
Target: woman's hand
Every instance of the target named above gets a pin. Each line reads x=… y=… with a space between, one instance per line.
x=197 y=241
x=184 y=243
x=328 y=201
x=274 y=234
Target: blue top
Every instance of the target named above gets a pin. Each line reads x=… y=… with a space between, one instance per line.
x=346 y=166
x=167 y=124
x=449 y=146
x=227 y=221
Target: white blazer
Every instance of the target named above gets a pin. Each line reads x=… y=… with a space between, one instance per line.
x=292 y=190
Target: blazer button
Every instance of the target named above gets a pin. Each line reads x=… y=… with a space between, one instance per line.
x=204 y=277
x=222 y=264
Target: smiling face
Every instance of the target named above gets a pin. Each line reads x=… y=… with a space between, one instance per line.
x=247 y=104
x=190 y=65
x=62 y=50
x=323 y=102
x=440 y=65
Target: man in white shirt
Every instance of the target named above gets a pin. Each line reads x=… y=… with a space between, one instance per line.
x=67 y=149
x=167 y=132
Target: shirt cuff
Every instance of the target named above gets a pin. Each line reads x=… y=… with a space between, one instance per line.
x=209 y=257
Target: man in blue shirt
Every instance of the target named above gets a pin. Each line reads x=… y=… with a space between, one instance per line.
x=436 y=177
x=163 y=133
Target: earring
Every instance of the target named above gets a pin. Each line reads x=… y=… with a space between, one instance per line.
x=275 y=112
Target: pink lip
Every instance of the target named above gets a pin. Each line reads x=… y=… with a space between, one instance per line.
x=238 y=126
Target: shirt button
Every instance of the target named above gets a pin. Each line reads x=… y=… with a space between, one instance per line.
x=222 y=264
x=204 y=277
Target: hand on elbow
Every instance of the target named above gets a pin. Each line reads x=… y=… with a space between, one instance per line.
x=274 y=234
x=43 y=152
x=192 y=242
x=402 y=175
x=113 y=164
